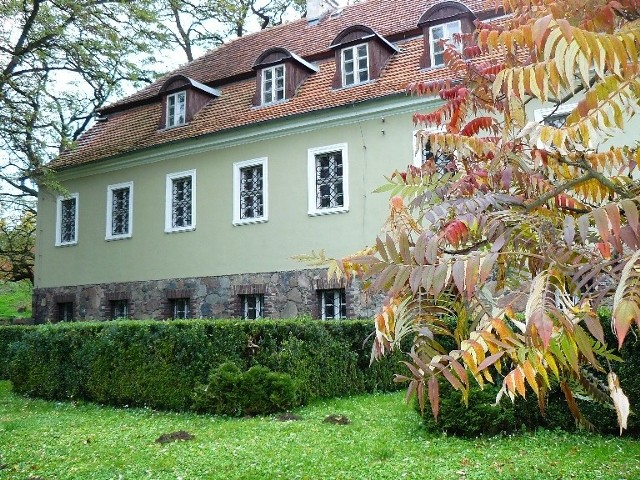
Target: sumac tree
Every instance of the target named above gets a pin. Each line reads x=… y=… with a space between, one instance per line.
x=536 y=227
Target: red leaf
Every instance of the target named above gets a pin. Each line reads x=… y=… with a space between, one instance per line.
x=434 y=396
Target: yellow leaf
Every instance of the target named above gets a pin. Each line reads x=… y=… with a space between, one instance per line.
x=620 y=400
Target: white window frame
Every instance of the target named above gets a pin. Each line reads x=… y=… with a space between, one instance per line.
x=274 y=88
x=172 y=120
x=109 y=223
x=311 y=179
x=168 y=215
x=445 y=35
x=417 y=148
x=541 y=113
x=340 y=292
x=356 y=70
x=237 y=167
x=59 y=200
x=244 y=305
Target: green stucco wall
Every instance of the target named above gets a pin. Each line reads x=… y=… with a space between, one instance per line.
x=378 y=143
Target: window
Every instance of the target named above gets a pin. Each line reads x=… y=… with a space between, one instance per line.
x=119 y=210
x=355 y=65
x=328 y=185
x=252 y=306
x=333 y=304
x=67 y=220
x=176 y=109
x=273 y=84
x=443 y=31
x=180 y=210
x=65 y=311
x=250 y=191
x=119 y=309
x=423 y=153
x=180 y=308
x=554 y=116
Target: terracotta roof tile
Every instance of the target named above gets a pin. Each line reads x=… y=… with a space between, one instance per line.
x=137 y=126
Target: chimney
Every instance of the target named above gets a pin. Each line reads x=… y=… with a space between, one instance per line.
x=317 y=8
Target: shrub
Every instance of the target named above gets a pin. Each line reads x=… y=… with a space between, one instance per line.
x=159 y=364
x=481 y=418
x=258 y=391
x=9 y=335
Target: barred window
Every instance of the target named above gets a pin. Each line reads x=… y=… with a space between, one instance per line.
x=250 y=191
x=180 y=208
x=328 y=184
x=180 y=308
x=329 y=191
x=333 y=304
x=65 y=312
x=119 y=309
x=273 y=81
x=67 y=221
x=252 y=306
x=176 y=109
x=355 y=65
x=119 y=210
x=423 y=153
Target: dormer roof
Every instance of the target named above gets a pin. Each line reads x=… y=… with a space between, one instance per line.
x=281 y=54
x=359 y=33
x=178 y=81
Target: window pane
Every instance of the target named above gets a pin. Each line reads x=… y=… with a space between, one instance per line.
x=68 y=220
x=181 y=202
x=120 y=211
x=329 y=180
x=251 y=192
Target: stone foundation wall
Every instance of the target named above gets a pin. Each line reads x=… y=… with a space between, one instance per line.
x=286 y=295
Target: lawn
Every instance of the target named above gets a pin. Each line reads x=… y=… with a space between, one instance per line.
x=384 y=440
x=15 y=299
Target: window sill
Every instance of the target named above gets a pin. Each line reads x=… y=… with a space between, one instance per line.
x=319 y=213
x=117 y=237
x=249 y=221
x=66 y=244
x=180 y=230
x=344 y=87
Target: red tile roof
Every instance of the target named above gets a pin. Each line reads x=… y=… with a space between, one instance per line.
x=133 y=122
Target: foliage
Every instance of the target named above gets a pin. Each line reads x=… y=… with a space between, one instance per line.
x=204 y=24
x=17 y=246
x=159 y=364
x=258 y=391
x=85 y=441
x=504 y=203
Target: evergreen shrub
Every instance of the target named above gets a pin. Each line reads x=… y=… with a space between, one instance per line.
x=482 y=418
x=160 y=364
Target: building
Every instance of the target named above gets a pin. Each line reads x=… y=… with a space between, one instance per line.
x=189 y=198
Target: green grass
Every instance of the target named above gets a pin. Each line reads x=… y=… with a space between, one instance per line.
x=384 y=441
x=15 y=299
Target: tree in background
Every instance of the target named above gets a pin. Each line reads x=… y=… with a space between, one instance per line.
x=17 y=244
x=503 y=204
x=205 y=24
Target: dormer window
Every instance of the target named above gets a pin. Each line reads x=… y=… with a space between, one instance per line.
x=437 y=33
x=361 y=55
x=355 y=65
x=441 y=22
x=182 y=98
x=273 y=84
x=176 y=109
x=279 y=73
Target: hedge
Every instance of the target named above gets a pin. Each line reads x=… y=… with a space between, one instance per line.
x=161 y=364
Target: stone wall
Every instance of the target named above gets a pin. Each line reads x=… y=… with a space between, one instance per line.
x=286 y=295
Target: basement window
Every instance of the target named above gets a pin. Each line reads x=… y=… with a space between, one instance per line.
x=332 y=303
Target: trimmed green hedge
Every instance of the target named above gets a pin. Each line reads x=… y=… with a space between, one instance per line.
x=8 y=335
x=161 y=364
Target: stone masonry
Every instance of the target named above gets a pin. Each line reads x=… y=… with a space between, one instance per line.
x=287 y=294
